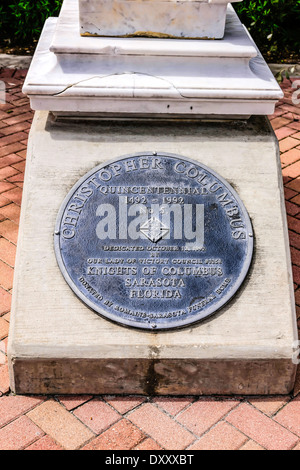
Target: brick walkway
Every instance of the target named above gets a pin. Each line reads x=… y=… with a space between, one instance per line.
x=109 y=422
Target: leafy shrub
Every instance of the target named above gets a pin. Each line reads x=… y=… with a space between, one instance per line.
x=274 y=25
x=21 y=21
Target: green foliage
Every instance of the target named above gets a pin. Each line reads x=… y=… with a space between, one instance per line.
x=274 y=25
x=21 y=21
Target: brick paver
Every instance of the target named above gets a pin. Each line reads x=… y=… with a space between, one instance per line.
x=72 y=402
x=4 y=379
x=4 y=326
x=269 y=405
x=45 y=443
x=97 y=415
x=221 y=437
x=261 y=428
x=19 y=434
x=148 y=444
x=11 y=407
x=136 y=422
x=173 y=405
x=204 y=413
x=61 y=425
x=251 y=445
x=122 y=436
x=124 y=404
x=9 y=230
x=289 y=416
x=5 y=299
x=6 y=275
x=166 y=431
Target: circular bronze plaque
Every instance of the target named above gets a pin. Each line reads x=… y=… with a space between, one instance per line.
x=153 y=241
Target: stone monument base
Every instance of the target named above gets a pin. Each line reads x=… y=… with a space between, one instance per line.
x=147 y=77
x=59 y=346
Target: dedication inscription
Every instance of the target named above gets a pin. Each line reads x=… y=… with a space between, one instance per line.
x=153 y=241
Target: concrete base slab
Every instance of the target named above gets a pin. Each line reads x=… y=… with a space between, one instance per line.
x=59 y=346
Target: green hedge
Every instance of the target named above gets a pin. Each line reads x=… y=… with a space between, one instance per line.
x=21 y=21
x=274 y=24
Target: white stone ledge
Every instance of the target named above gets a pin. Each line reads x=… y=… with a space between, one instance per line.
x=137 y=76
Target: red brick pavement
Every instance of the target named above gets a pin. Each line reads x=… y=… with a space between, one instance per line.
x=136 y=422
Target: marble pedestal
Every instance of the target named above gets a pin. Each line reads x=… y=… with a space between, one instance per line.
x=59 y=346
x=146 y=77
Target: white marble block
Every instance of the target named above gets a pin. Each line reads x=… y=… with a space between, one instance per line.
x=201 y=19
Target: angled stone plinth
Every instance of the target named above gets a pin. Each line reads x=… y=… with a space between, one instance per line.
x=202 y=19
x=57 y=345
x=145 y=77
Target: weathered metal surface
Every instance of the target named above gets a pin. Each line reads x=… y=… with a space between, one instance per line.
x=153 y=241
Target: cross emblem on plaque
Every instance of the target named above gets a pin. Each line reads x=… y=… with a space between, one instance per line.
x=154 y=229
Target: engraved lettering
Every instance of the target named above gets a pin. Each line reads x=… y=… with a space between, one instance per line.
x=202 y=304
x=193 y=172
x=155 y=282
x=116 y=169
x=90 y=289
x=130 y=165
x=192 y=271
x=68 y=234
x=222 y=199
x=144 y=163
x=70 y=220
x=75 y=208
x=87 y=191
x=156 y=164
x=223 y=286
x=215 y=187
x=111 y=271
x=155 y=294
x=180 y=167
x=239 y=234
x=105 y=175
